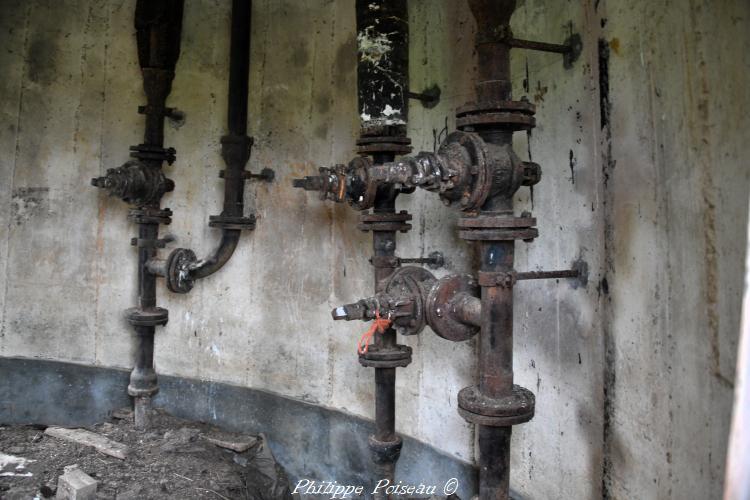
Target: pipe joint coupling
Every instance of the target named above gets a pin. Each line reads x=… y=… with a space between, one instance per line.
x=235 y=150
x=385 y=452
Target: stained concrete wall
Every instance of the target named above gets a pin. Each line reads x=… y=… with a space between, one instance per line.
x=642 y=148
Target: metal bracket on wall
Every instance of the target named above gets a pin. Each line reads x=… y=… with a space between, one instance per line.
x=571 y=48
x=429 y=97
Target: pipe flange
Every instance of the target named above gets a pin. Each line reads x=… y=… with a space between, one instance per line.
x=515 y=408
x=511 y=115
x=525 y=234
x=147 y=215
x=150 y=152
x=522 y=106
x=398 y=356
x=229 y=222
x=484 y=221
x=179 y=263
x=385 y=452
x=407 y=282
x=374 y=221
x=440 y=314
x=154 y=316
x=369 y=145
x=485 y=227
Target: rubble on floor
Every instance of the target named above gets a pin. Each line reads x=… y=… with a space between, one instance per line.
x=175 y=459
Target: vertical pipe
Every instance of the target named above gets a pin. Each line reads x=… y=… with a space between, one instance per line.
x=384 y=245
x=235 y=146
x=494 y=462
x=496 y=334
x=495 y=370
x=239 y=67
x=383 y=66
x=382 y=94
x=158 y=29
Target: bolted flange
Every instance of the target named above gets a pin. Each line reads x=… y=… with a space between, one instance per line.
x=385 y=221
x=153 y=316
x=515 y=408
x=232 y=222
x=398 y=356
x=497 y=226
x=178 y=267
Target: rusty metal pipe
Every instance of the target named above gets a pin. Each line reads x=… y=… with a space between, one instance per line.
x=496 y=334
x=467 y=309
x=494 y=462
x=230 y=238
x=382 y=91
x=235 y=146
x=158 y=28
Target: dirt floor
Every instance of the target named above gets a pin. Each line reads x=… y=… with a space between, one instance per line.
x=175 y=459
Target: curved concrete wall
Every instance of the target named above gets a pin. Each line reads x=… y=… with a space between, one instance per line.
x=645 y=181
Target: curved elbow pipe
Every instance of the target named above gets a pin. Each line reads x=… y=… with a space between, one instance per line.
x=219 y=257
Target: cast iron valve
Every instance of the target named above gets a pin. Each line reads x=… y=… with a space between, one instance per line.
x=330 y=183
x=135 y=183
x=402 y=302
x=413 y=298
x=465 y=170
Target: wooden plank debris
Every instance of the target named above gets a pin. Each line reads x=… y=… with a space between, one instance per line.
x=87 y=438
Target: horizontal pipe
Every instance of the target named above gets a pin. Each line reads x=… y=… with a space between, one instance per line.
x=157 y=267
x=467 y=309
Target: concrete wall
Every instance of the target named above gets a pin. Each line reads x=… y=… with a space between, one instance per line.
x=642 y=146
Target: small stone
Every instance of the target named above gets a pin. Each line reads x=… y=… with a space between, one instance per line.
x=123 y=414
x=106 y=427
x=75 y=484
x=234 y=442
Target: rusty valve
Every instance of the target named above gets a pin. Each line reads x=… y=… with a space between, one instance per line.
x=330 y=183
x=413 y=298
x=465 y=170
x=135 y=183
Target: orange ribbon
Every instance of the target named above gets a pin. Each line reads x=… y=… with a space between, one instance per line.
x=378 y=325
